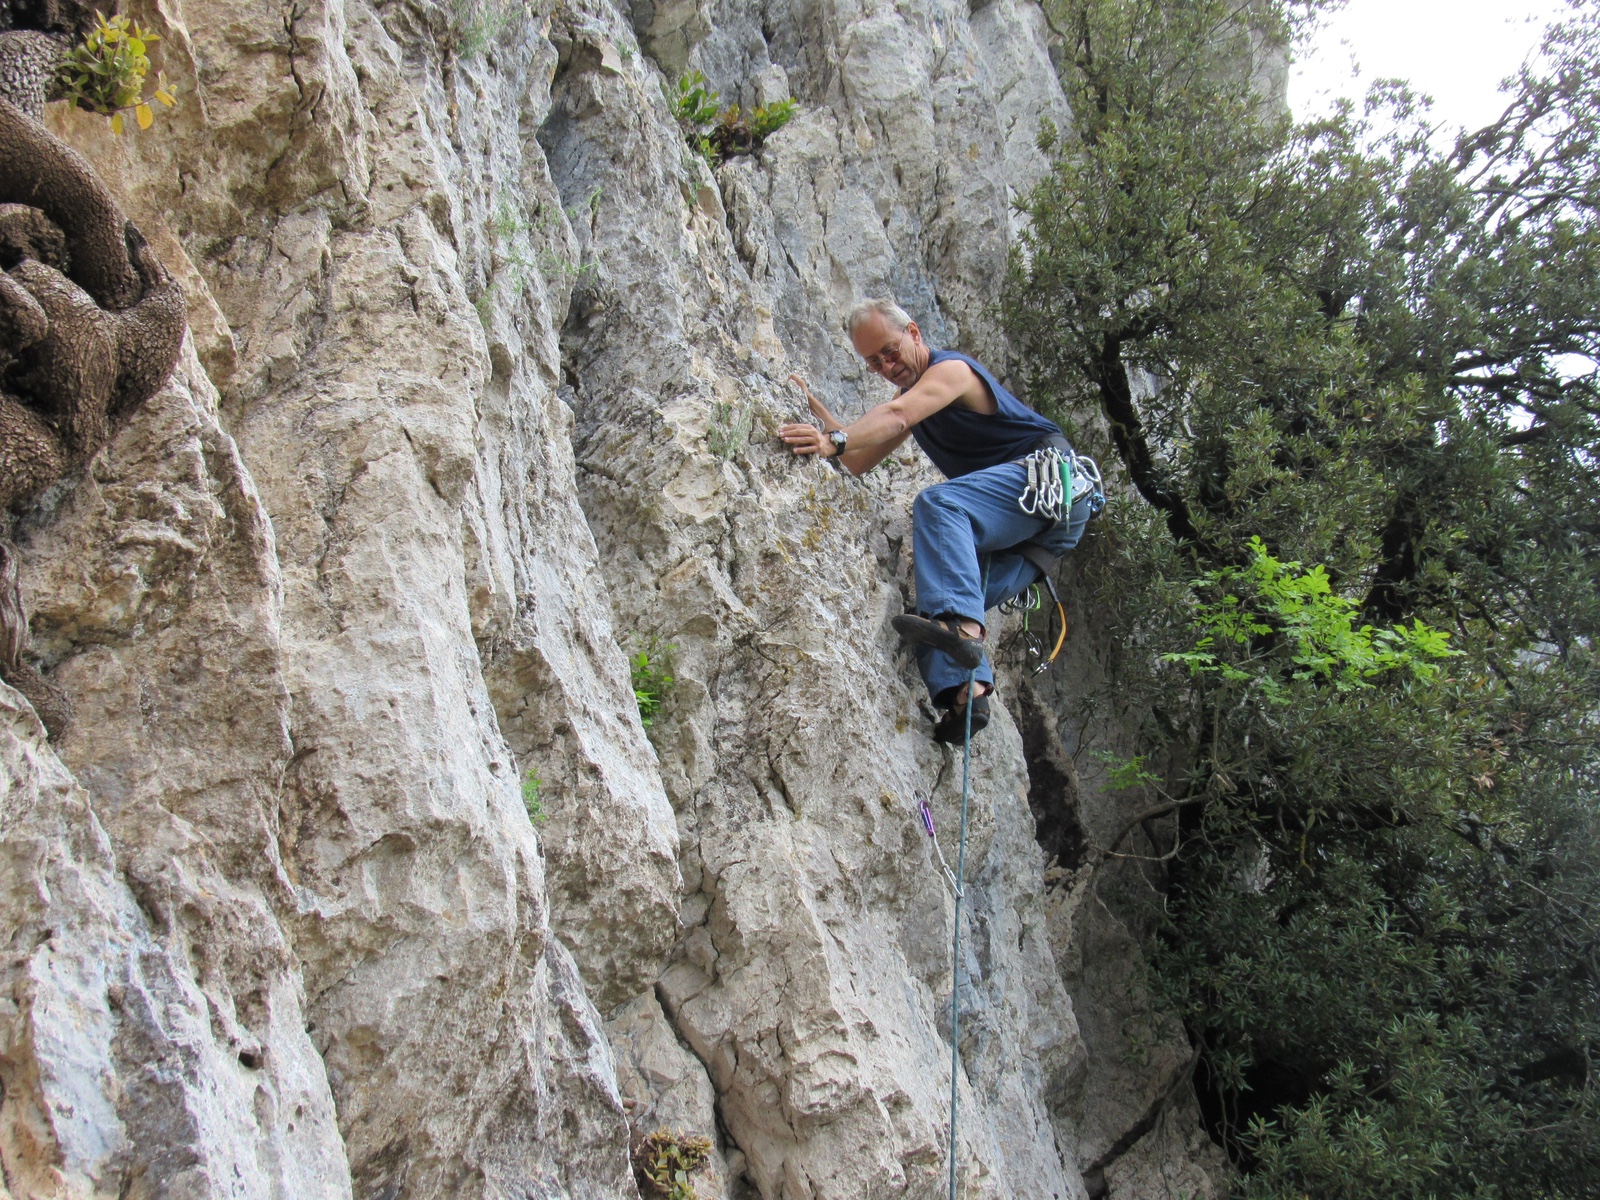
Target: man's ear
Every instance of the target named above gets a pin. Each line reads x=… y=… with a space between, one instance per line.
x=911 y=328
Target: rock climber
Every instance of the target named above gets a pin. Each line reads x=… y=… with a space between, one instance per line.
x=967 y=529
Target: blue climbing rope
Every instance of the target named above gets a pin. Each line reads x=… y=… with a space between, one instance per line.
x=955 y=952
x=961 y=887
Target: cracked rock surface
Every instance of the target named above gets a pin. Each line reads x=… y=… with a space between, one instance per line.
x=359 y=875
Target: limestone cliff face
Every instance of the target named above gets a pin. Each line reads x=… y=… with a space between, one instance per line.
x=479 y=397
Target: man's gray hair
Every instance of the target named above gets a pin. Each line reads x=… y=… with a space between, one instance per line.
x=887 y=309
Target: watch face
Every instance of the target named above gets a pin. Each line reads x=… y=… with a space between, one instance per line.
x=838 y=438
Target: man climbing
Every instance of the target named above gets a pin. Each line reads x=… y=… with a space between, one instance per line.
x=966 y=532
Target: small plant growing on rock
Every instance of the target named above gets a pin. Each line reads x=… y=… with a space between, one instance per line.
x=731 y=131
x=105 y=73
x=665 y=1160
x=650 y=668
x=531 y=801
x=521 y=246
x=730 y=428
x=694 y=103
x=478 y=24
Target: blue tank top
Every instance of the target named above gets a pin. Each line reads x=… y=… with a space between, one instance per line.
x=960 y=441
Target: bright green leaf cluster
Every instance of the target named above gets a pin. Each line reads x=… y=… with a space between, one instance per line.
x=105 y=73
x=767 y=119
x=717 y=133
x=1125 y=774
x=1285 y=614
x=694 y=103
x=650 y=668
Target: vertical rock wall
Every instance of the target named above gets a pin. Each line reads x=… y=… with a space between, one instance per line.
x=484 y=370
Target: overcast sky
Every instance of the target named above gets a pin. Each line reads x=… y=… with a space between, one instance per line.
x=1457 y=51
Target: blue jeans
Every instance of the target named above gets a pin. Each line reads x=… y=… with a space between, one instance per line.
x=959 y=529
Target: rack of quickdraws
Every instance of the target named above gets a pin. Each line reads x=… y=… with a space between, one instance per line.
x=1057 y=480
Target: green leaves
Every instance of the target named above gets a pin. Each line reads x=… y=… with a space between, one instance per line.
x=731 y=132
x=650 y=670
x=531 y=800
x=106 y=72
x=694 y=103
x=1289 y=625
x=767 y=119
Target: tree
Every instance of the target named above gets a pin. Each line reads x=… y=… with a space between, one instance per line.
x=1335 y=345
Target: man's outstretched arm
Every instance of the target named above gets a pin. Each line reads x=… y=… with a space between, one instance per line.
x=884 y=428
x=856 y=461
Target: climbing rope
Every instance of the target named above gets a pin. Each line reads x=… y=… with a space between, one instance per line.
x=955 y=964
x=956 y=879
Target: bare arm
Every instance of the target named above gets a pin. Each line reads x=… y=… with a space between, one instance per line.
x=884 y=428
x=856 y=461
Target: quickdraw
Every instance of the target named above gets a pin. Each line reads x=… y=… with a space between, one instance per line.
x=926 y=814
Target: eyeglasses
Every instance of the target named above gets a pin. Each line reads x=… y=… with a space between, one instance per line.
x=886 y=357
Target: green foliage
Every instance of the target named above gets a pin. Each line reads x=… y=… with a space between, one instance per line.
x=106 y=73
x=767 y=119
x=694 y=103
x=650 y=666
x=1125 y=774
x=718 y=133
x=1339 y=346
x=665 y=1161
x=475 y=25
x=730 y=428
x=1287 y=625
x=531 y=800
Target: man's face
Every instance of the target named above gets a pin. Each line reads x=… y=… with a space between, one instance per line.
x=896 y=354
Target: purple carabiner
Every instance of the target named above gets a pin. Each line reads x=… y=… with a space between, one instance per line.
x=927 y=816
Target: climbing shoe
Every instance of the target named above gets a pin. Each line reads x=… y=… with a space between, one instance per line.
x=952 y=726
x=942 y=633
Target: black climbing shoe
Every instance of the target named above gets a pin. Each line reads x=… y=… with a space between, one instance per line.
x=952 y=727
x=942 y=634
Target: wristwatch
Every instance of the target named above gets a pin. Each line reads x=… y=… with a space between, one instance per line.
x=840 y=439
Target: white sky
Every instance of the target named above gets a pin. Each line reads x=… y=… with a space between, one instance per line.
x=1456 y=51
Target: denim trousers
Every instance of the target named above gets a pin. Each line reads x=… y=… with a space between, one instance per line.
x=963 y=528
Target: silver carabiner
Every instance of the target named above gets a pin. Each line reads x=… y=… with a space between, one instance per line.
x=1028 y=502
